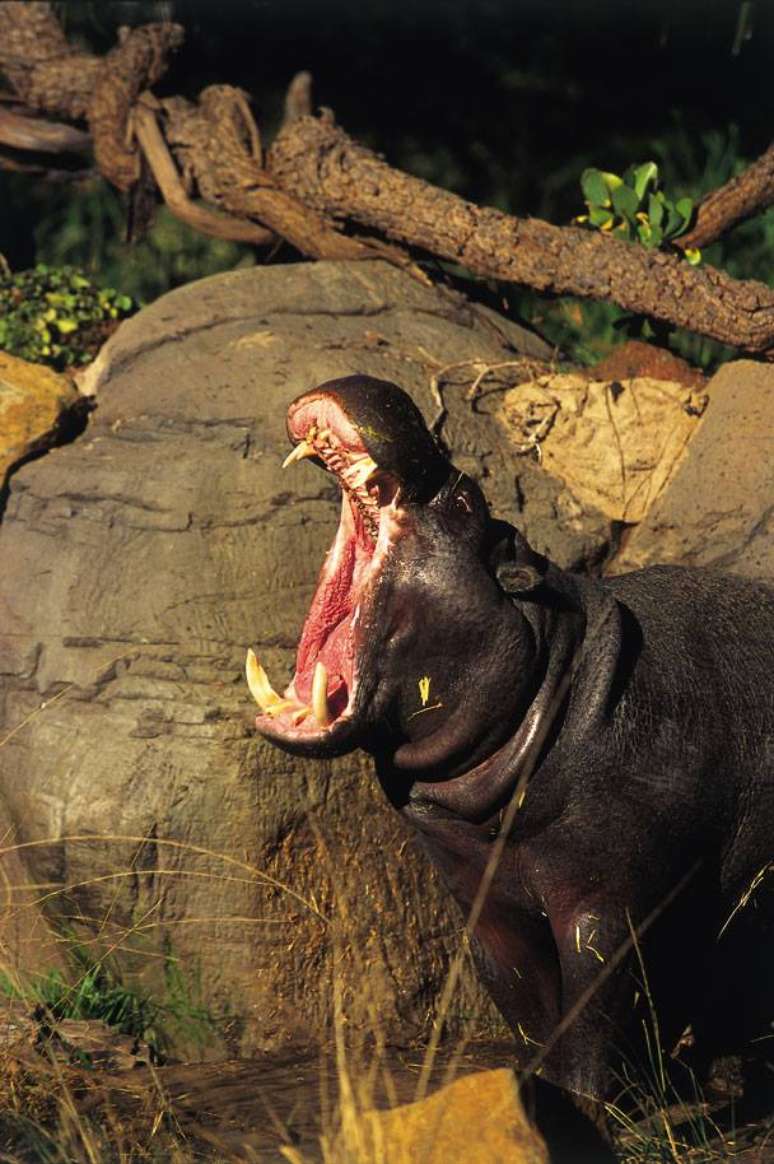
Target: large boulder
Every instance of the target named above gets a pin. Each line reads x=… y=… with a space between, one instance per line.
x=139 y=563
x=716 y=508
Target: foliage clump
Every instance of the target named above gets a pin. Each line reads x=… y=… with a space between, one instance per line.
x=56 y=315
x=633 y=207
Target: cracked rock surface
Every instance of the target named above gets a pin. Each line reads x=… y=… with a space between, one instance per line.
x=717 y=509
x=139 y=562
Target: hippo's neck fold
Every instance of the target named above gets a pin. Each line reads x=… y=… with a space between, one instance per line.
x=574 y=637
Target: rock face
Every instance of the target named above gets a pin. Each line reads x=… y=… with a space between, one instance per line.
x=716 y=510
x=139 y=563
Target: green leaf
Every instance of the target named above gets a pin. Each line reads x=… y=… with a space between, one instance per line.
x=693 y=255
x=684 y=206
x=644 y=176
x=625 y=201
x=599 y=216
x=612 y=181
x=649 y=235
x=594 y=188
x=656 y=235
x=674 y=222
x=656 y=209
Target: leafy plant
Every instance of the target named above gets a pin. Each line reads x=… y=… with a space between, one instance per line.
x=632 y=207
x=94 y=995
x=57 y=316
x=96 y=992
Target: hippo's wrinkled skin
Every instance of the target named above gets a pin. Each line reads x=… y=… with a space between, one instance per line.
x=627 y=724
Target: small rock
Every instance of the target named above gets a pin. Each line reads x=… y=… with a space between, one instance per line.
x=33 y=401
x=478 y=1119
x=637 y=358
x=716 y=510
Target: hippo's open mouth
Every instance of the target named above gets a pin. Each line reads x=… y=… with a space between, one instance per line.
x=318 y=705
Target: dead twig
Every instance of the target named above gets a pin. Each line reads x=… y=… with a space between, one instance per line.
x=298 y=99
x=22 y=132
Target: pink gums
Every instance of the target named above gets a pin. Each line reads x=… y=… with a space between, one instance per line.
x=327 y=636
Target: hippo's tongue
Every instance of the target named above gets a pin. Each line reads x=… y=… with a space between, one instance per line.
x=327 y=633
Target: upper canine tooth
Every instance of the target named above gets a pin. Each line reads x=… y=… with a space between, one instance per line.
x=302 y=449
x=320 y=695
x=258 y=681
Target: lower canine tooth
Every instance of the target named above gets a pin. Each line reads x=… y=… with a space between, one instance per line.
x=320 y=695
x=258 y=681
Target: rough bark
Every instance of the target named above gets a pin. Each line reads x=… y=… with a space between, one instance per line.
x=39 y=63
x=133 y=65
x=169 y=182
x=741 y=198
x=329 y=171
x=212 y=141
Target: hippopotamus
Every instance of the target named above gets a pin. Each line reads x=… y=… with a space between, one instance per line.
x=587 y=761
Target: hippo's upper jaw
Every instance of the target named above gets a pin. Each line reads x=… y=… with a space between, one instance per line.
x=405 y=602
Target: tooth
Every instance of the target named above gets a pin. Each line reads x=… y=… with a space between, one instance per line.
x=300 y=715
x=302 y=449
x=360 y=471
x=258 y=681
x=320 y=695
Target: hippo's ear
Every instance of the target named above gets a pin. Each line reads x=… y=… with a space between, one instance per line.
x=516 y=578
x=515 y=565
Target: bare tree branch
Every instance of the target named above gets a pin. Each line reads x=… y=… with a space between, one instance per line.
x=329 y=171
x=133 y=65
x=739 y=199
x=39 y=63
x=32 y=133
x=298 y=99
x=213 y=142
x=317 y=178
x=200 y=217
